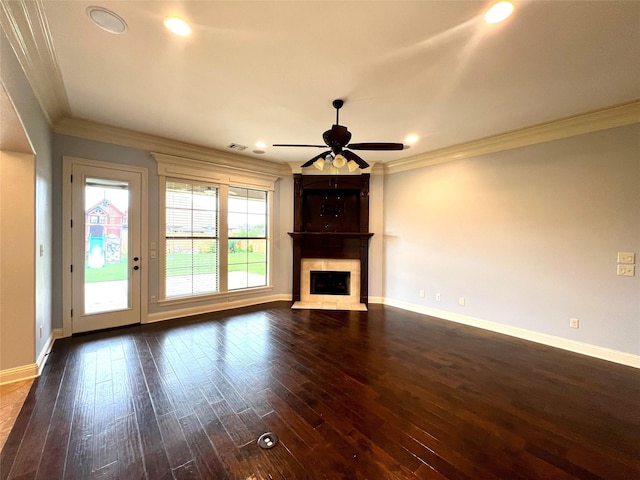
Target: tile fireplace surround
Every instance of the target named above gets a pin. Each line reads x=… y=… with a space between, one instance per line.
x=330 y=302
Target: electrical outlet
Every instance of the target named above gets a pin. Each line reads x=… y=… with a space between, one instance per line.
x=627 y=257
x=626 y=270
x=461 y=301
x=574 y=323
x=421 y=293
x=40 y=331
x=153 y=299
x=437 y=297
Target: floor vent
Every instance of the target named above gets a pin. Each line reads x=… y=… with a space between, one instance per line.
x=268 y=440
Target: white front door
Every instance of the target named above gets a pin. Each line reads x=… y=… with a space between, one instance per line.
x=106 y=247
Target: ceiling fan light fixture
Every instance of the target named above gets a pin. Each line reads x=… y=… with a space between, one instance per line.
x=351 y=165
x=339 y=161
x=319 y=163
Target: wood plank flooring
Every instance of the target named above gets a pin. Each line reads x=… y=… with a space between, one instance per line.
x=384 y=394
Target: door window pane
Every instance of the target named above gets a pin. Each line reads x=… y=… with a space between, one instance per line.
x=106 y=273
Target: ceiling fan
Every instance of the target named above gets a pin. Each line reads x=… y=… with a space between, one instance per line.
x=337 y=139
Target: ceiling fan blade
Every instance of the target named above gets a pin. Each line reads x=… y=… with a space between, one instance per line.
x=310 y=162
x=352 y=156
x=297 y=145
x=376 y=146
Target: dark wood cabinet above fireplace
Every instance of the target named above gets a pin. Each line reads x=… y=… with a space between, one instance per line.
x=331 y=221
x=331 y=203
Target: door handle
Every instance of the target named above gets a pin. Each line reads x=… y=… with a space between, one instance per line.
x=136 y=267
x=135 y=259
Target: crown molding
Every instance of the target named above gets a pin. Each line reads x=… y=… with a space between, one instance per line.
x=25 y=25
x=76 y=127
x=603 y=119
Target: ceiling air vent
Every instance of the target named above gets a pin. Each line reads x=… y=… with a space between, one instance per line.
x=237 y=146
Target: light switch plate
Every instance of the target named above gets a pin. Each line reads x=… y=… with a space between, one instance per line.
x=628 y=258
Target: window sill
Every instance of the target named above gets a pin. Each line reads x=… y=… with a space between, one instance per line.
x=221 y=296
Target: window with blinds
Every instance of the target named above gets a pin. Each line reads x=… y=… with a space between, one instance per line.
x=191 y=239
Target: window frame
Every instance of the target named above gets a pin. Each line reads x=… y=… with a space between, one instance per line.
x=172 y=168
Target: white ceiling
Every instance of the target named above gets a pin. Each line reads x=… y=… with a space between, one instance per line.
x=268 y=71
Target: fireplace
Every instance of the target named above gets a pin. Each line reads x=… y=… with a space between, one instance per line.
x=331 y=241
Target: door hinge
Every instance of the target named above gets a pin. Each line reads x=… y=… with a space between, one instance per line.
x=71 y=223
x=72 y=312
x=71 y=268
x=71 y=178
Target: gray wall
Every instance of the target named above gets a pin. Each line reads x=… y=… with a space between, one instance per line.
x=39 y=134
x=528 y=236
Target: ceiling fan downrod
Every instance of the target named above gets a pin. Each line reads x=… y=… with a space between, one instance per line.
x=337 y=104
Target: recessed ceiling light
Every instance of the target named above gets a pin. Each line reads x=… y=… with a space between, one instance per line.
x=107 y=20
x=177 y=26
x=411 y=139
x=498 y=12
x=261 y=144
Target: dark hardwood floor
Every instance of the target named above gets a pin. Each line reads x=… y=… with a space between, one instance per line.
x=384 y=394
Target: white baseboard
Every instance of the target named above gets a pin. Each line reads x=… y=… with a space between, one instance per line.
x=595 y=351
x=32 y=370
x=46 y=349
x=215 y=307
